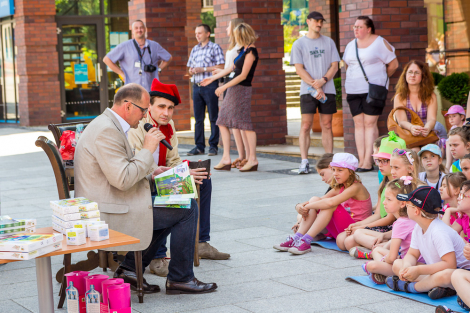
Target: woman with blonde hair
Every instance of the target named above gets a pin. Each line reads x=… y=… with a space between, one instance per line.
x=415 y=91
x=235 y=112
x=231 y=54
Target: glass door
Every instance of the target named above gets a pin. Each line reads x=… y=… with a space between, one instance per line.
x=81 y=51
x=10 y=100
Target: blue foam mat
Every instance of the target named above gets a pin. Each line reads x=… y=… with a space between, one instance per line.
x=450 y=302
x=328 y=244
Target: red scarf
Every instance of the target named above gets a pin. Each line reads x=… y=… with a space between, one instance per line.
x=167 y=130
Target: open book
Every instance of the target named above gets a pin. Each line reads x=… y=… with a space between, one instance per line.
x=176 y=188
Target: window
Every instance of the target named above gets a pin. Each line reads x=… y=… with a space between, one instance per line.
x=208 y=4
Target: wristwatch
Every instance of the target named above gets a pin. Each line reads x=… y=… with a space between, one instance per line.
x=205 y=69
x=325 y=79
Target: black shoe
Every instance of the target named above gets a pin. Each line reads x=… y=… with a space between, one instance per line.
x=131 y=278
x=212 y=151
x=193 y=286
x=362 y=170
x=441 y=292
x=195 y=151
x=462 y=304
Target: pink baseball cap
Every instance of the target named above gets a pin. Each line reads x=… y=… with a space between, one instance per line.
x=455 y=109
x=345 y=160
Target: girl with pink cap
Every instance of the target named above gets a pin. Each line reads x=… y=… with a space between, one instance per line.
x=456 y=116
x=348 y=201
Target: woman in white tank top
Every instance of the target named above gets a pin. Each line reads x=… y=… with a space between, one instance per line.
x=379 y=62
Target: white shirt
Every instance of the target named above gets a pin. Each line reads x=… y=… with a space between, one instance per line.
x=438 y=240
x=423 y=178
x=125 y=125
x=374 y=60
x=230 y=56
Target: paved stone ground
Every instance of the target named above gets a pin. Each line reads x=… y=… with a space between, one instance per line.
x=250 y=213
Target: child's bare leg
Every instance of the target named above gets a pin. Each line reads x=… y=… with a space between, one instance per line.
x=314 y=199
x=461 y=282
x=398 y=265
x=322 y=219
x=349 y=242
x=378 y=253
x=439 y=279
x=379 y=267
x=340 y=240
x=306 y=224
x=366 y=237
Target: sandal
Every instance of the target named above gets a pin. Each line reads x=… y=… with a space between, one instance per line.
x=236 y=163
x=462 y=304
x=392 y=283
x=242 y=163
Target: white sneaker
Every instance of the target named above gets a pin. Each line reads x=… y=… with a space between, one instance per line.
x=159 y=267
x=304 y=168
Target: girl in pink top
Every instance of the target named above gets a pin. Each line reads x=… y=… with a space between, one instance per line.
x=348 y=201
x=461 y=213
x=381 y=267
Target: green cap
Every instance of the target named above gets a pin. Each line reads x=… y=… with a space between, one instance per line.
x=387 y=145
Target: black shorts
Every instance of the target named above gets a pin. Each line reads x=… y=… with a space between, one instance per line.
x=358 y=104
x=309 y=105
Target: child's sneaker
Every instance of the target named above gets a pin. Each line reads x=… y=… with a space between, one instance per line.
x=441 y=292
x=358 y=253
x=443 y=309
x=364 y=268
x=300 y=247
x=378 y=279
x=289 y=243
x=462 y=304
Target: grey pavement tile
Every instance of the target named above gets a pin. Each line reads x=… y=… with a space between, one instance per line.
x=251 y=232
x=219 y=309
x=340 y=260
x=348 y=310
x=399 y=305
x=230 y=246
x=9 y=306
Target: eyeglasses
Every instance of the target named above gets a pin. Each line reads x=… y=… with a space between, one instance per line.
x=382 y=162
x=411 y=73
x=144 y=111
x=462 y=196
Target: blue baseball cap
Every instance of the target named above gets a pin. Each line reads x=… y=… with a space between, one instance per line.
x=431 y=148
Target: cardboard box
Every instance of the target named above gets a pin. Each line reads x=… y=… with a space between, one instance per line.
x=71 y=224
x=28 y=242
x=66 y=217
x=98 y=232
x=89 y=214
x=74 y=205
x=76 y=236
x=32 y=254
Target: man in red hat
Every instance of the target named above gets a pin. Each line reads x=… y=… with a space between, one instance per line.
x=163 y=99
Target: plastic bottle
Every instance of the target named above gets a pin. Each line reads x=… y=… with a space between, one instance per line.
x=78 y=131
x=72 y=299
x=93 y=299
x=314 y=94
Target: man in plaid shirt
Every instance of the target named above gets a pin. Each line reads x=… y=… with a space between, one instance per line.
x=205 y=57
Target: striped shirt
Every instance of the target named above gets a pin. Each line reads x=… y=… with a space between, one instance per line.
x=209 y=55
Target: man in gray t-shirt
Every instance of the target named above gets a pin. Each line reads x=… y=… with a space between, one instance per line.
x=315 y=58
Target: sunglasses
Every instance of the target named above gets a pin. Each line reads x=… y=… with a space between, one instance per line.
x=144 y=111
x=399 y=151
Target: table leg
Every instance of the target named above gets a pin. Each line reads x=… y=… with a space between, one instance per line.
x=140 y=275
x=67 y=269
x=44 y=284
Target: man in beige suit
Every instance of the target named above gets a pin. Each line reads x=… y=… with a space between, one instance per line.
x=107 y=171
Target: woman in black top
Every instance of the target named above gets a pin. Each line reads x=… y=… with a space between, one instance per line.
x=236 y=109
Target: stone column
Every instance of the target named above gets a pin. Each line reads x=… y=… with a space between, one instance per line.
x=38 y=62
x=166 y=24
x=268 y=110
x=404 y=25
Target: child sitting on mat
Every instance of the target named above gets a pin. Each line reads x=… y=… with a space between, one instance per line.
x=439 y=245
x=347 y=202
x=450 y=190
x=460 y=213
x=381 y=267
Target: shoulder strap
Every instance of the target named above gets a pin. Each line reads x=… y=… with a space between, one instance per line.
x=359 y=60
x=137 y=48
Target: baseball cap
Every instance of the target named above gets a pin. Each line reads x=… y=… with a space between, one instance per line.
x=431 y=148
x=455 y=109
x=316 y=16
x=388 y=144
x=345 y=160
x=426 y=198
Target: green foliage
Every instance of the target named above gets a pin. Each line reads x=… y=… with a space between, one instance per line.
x=209 y=19
x=455 y=88
x=339 y=93
x=437 y=78
x=288 y=38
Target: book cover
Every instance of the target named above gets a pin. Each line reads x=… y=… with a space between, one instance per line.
x=28 y=242
x=32 y=254
x=176 y=181
x=74 y=205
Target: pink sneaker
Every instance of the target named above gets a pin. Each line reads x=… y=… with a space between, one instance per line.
x=300 y=247
x=285 y=245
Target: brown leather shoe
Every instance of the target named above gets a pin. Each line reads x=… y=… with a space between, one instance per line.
x=131 y=278
x=193 y=286
x=206 y=251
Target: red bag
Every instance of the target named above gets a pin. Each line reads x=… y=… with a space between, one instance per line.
x=67 y=145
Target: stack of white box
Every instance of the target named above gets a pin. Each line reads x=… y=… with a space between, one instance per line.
x=73 y=213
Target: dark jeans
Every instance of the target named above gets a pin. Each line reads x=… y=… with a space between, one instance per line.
x=181 y=223
x=204 y=218
x=202 y=97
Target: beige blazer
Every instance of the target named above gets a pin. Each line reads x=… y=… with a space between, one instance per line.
x=136 y=139
x=106 y=171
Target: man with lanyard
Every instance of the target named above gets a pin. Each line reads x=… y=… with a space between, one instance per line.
x=205 y=57
x=163 y=99
x=434 y=179
x=138 y=58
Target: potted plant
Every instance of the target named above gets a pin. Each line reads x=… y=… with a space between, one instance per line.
x=337 y=122
x=454 y=90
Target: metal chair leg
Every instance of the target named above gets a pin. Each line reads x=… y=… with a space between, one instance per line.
x=140 y=275
x=67 y=269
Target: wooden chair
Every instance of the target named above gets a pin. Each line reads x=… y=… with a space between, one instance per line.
x=53 y=154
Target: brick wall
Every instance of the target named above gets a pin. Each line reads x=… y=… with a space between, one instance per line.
x=38 y=62
x=457 y=17
x=327 y=8
x=268 y=110
x=166 y=24
x=403 y=24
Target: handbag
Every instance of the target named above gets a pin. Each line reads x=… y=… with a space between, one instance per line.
x=411 y=141
x=377 y=94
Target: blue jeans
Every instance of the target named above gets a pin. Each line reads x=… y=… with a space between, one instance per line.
x=181 y=223
x=204 y=218
x=202 y=97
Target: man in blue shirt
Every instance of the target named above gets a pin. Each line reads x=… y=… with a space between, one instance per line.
x=138 y=58
x=205 y=57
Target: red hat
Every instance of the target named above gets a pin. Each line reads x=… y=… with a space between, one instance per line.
x=169 y=92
